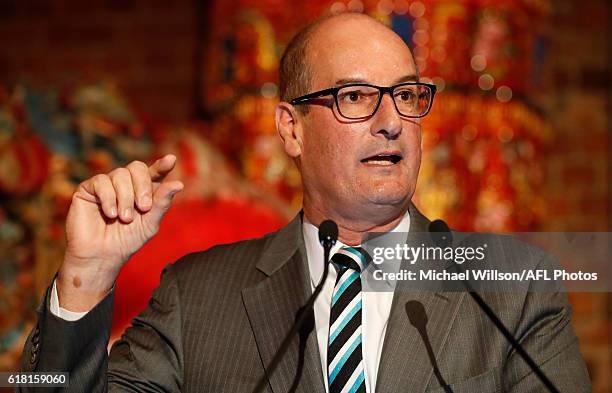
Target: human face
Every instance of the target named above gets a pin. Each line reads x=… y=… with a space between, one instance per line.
x=345 y=164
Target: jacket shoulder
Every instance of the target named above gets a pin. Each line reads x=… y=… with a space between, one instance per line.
x=241 y=256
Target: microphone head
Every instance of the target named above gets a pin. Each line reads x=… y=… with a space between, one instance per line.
x=328 y=233
x=440 y=233
x=416 y=314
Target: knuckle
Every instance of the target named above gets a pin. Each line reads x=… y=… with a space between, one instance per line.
x=119 y=172
x=82 y=185
x=137 y=165
x=98 y=180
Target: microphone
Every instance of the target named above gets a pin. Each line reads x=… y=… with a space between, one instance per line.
x=304 y=321
x=442 y=237
x=440 y=233
x=418 y=318
x=328 y=234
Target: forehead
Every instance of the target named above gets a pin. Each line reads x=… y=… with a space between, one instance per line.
x=357 y=48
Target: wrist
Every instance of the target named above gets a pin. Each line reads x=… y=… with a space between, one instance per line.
x=80 y=288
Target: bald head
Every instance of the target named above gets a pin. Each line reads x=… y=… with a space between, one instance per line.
x=296 y=66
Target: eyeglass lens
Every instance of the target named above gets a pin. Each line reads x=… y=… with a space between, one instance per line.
x=361 y=101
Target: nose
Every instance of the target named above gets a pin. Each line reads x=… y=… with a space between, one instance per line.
x=386 y=120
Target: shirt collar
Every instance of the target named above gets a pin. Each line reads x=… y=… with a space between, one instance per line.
x=314 y=250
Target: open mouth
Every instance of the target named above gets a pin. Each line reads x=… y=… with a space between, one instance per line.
x=382 y=159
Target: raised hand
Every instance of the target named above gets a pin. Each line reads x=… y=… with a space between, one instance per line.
x=111 y=216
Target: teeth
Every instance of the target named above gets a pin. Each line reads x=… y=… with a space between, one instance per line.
x=382 y=160
x=379 y=162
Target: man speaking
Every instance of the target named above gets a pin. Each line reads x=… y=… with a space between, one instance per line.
x=349 y=116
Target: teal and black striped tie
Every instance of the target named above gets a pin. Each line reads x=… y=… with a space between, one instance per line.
x=345 y=366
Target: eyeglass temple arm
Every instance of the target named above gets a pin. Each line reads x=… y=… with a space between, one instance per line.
x=307 y=97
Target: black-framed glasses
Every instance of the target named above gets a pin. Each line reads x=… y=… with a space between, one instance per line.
x=361 y=100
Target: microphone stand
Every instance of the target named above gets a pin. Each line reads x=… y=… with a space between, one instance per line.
x=327 y=241
x=418 y=318
x=439 y=226
x=515 y=344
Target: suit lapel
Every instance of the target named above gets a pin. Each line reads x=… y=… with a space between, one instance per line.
x=405 y=364
x=273 y=304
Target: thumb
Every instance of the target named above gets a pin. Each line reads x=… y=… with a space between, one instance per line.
x=162 y=200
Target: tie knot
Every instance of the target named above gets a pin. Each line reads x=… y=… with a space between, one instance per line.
x=354 y=258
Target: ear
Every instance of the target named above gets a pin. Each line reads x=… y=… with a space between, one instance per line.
x=289 y=128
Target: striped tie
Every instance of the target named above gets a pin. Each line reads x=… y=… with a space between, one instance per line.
x=344 y=354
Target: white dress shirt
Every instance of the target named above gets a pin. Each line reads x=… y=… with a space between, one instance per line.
x=376 y=305
x=64 y=314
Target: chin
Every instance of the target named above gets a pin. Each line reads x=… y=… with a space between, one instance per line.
x=389 y=197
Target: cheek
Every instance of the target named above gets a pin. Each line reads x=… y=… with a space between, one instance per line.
x=332 y=159
x=317 y=147
x=413 y=146
x=325 y=144
x=317 y=152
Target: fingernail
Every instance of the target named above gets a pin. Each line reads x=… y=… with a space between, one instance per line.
x=113 y=211
x=127 y=213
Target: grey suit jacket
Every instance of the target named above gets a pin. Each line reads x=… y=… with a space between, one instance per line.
x=217 y=318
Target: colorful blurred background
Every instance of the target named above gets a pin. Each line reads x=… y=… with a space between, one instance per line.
x=518 y=138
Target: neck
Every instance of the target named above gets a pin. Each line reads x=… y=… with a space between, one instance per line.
x=351 y=230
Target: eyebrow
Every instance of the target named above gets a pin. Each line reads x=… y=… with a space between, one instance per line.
x=346 y=81
x=406 y=78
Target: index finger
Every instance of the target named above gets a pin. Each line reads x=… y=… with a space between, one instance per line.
x=160 y=168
